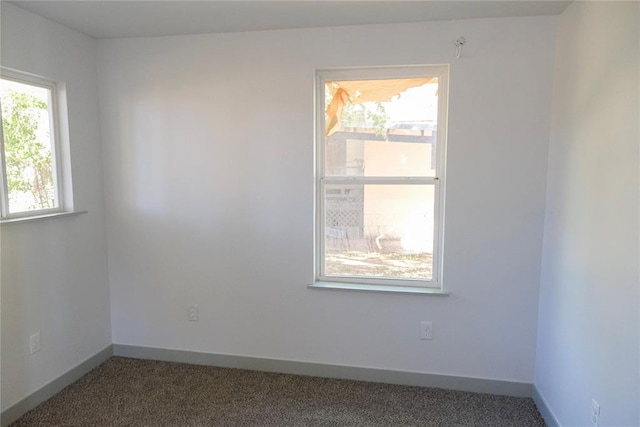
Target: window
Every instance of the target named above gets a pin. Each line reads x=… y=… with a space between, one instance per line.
x=380 y=142
x=31 y=178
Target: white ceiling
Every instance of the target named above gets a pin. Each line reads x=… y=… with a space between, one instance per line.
x=110 y=19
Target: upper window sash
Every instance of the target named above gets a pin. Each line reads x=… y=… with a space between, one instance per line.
x=378 y=73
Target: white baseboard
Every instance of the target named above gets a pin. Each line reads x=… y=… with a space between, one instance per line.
x=17 y=410
x=544 y=408
x=449 y=382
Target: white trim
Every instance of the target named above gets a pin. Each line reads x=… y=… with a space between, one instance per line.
x=40 y=217
x=380 y=180
x=50 y=389
x=441 y=154
x=381 y=287
x=56 y=164
x=375 y=73
x=544 y=408
x=4 y=187
x=357 y=373
x=31 y=214
x=318 y=226
x=26 y=78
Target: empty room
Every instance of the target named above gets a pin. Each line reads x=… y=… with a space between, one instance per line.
x=336 y=213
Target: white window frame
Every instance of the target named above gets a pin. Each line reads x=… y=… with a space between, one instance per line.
x=438 y=181
x=62 y=199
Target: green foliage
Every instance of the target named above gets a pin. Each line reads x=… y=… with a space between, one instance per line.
x=358 y=115
x=379 y=118
x=28 y=159
x=353 y=115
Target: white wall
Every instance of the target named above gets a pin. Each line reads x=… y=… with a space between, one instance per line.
x=588 y=339
x=208 y=157
x=54 y=272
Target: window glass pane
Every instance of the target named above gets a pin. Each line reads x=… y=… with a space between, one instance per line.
x=381 y=127
x=379 y=231
x=27 y=130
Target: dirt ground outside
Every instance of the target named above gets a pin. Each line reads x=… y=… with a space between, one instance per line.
x=379 y=264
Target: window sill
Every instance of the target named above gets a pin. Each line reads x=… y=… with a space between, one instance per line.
x=379 y=288
x=40 y=217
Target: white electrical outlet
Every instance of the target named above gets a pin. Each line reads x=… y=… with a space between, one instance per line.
x=34 y=343
x=426 y=330
x=193 y=312
x=595 y=413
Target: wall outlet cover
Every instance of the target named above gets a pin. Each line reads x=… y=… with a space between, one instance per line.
x=426 y=330
x=34 y=343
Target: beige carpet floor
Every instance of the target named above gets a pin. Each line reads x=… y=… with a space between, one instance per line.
x=130 y=392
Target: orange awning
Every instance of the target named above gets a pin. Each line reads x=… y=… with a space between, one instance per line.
x=361 y=91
